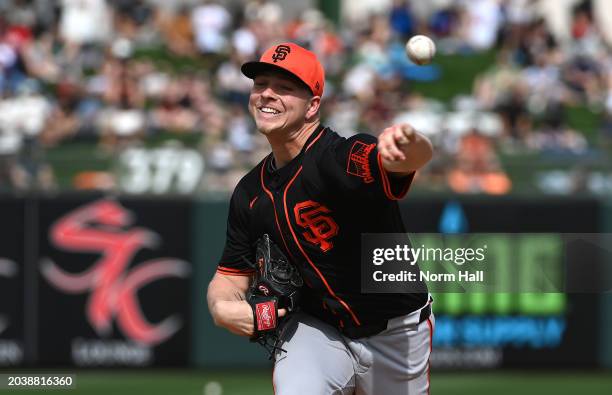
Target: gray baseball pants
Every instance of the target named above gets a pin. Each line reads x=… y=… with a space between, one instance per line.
x=319 y=360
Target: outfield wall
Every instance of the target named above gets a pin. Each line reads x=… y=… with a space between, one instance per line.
x=93 y=281
x=605 y=353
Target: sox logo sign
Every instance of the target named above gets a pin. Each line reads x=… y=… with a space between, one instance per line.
x=102 y=227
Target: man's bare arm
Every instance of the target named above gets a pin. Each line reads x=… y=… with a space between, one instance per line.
x=228 y=306
x=227 y=303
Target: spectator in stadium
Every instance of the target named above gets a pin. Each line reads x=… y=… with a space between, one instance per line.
x=232 y=84
x=514 y=113
x=477 y=168
x=175 y=111
x=177 y=31
x=210 y=21
x=402 y=20
x=538 y=73
x=64 y=122
x=85 y=22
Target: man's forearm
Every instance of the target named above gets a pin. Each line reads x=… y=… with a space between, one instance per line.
x=227 y=304
x=224 y=289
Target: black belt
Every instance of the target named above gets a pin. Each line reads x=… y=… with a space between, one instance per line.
x=367 y=330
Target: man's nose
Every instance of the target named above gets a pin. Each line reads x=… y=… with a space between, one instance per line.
x=268 y=92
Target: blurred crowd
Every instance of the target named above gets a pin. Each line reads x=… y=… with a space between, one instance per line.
x=118 y=73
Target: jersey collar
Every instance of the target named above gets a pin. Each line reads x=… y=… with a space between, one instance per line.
x=311 y=140
x=275 y=177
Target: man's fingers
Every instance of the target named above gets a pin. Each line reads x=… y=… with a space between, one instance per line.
x=407 y=133
x=282 y=313
x=388 y=144
x=400 y=136
x=407 y=130
x=390 y=151
x=392 y=139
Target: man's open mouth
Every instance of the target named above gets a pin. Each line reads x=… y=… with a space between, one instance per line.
x=269 y=110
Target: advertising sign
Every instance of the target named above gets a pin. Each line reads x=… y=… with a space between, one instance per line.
x=114 y=283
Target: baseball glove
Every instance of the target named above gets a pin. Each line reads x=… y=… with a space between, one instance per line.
x=275 y=286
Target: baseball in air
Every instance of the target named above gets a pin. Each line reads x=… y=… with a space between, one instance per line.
x=420 y=49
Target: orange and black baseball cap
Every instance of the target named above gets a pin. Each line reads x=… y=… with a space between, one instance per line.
x=293 y=59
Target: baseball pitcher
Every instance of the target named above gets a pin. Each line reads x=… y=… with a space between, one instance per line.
x=289 y=277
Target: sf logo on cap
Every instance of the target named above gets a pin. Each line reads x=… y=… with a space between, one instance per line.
x=280 y=53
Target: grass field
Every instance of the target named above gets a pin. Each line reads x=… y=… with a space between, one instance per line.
x=178 y=382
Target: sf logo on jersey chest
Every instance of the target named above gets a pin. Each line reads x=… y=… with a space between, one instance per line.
x=316 y=219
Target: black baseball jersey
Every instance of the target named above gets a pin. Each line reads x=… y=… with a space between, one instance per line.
x=315 y=208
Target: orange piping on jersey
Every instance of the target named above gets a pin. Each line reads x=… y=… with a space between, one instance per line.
x=274 y=207
x=331 y=292
x=235 y=272
x=315 y=140
x=231 y=269
x=387 y=184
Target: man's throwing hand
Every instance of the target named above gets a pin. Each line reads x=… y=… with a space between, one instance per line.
x=393 y=141
x=403 y=149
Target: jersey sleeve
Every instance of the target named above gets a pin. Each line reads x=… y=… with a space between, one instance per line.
x=355 y=165
x=237 y=253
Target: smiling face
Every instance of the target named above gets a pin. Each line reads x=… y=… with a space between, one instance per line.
x=280 y=102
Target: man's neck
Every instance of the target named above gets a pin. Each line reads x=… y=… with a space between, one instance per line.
x=287 y=147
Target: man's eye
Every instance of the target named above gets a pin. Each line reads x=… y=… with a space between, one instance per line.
x=286 y=87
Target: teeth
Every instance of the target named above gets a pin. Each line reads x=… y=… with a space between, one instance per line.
x=269 y=110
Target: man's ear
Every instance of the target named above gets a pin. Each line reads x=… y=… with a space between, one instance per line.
x=313 y=107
